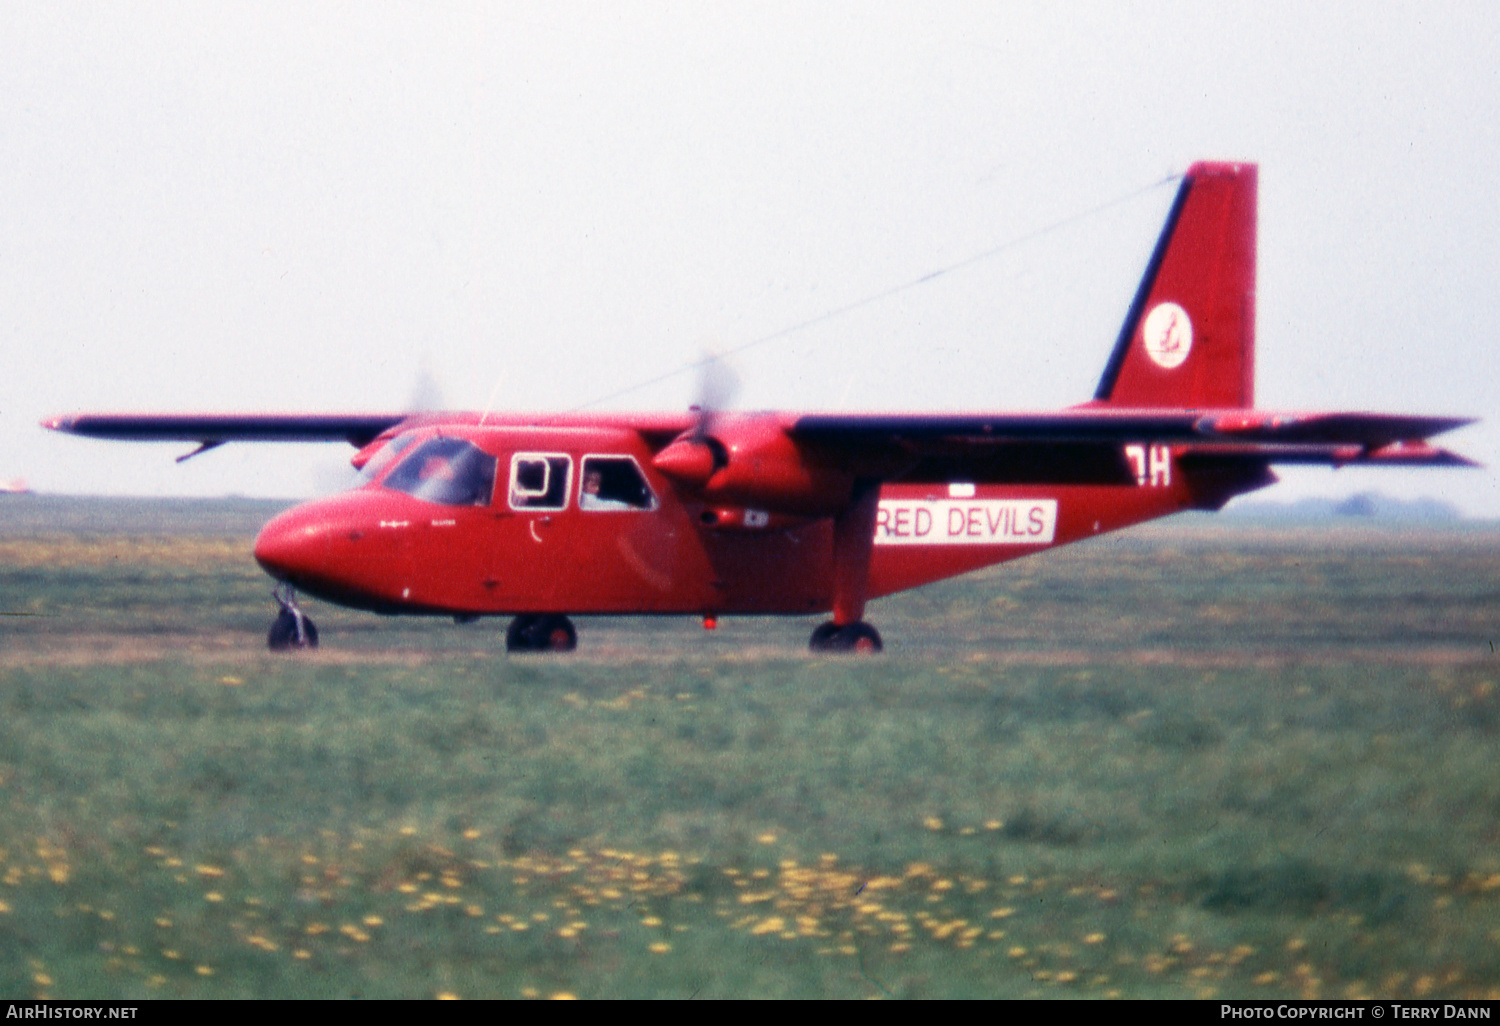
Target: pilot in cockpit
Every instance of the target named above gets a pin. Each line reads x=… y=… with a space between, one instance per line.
x=590 y=498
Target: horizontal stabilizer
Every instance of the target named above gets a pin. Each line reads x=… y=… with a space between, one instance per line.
x=1409 y=454
x=1370 y=430
x=1417 y=454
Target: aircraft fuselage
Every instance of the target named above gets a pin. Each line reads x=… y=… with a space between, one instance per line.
x=508 y=552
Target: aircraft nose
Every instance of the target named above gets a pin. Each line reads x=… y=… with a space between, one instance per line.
x=331 y=548
x=292 y=545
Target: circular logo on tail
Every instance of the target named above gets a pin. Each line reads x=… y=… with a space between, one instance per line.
x=1168 y=335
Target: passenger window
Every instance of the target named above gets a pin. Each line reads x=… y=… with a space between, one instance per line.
x=539 y=480
x=614 y=483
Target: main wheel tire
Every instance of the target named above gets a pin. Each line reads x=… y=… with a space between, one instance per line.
x=855 y=637
x=533 y=633
x=283 y=636
x=519 y=635
x=823 y=637
x=559 y=635
x=864 y=639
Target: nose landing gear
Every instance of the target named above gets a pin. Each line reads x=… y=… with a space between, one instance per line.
x=291 y=629
x=550 y=633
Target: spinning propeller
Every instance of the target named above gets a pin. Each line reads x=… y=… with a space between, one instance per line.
x=696 y=455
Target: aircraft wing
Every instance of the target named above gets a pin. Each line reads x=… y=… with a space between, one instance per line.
x=211 y=430
x=1084 y=445
x=217 y=428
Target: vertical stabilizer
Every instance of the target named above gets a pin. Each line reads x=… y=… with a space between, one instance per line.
x=1189 y=339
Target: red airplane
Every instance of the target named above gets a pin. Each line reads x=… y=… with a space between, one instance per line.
x=542 y=516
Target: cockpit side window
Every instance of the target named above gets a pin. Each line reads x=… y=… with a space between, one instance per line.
x=614 y=483
x=540 y=480
x=449 y=471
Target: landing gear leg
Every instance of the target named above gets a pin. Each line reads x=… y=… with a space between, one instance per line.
x=853 y=541
x=291 y=629
x=545 y=633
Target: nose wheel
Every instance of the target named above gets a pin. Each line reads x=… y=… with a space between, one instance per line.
x=292 y=629
x=854 y=637
x=549 y=633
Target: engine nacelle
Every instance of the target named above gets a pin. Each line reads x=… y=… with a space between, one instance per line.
x=747 y=460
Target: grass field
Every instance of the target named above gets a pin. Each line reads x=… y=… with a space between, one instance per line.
x=1203 y=758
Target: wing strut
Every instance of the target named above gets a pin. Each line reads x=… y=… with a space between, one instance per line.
x=202 y=448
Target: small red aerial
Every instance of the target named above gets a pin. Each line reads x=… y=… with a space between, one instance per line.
x=539 y=517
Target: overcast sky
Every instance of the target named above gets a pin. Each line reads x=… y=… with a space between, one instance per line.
x=314 y=207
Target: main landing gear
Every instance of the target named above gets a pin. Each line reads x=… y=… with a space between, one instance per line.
x=549 y=633
x=853 y=541
x=854 y=637
x=291 y=629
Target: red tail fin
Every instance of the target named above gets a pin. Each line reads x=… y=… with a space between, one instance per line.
x=1189 y=339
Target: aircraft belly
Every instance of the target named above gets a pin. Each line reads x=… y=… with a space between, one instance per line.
x=630 y=562
x=666 y=562
x=574 y=561
x=436 y=561
x=787 y=571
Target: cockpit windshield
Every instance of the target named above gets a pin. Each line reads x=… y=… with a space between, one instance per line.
x=384 y=457
x=449 y=471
